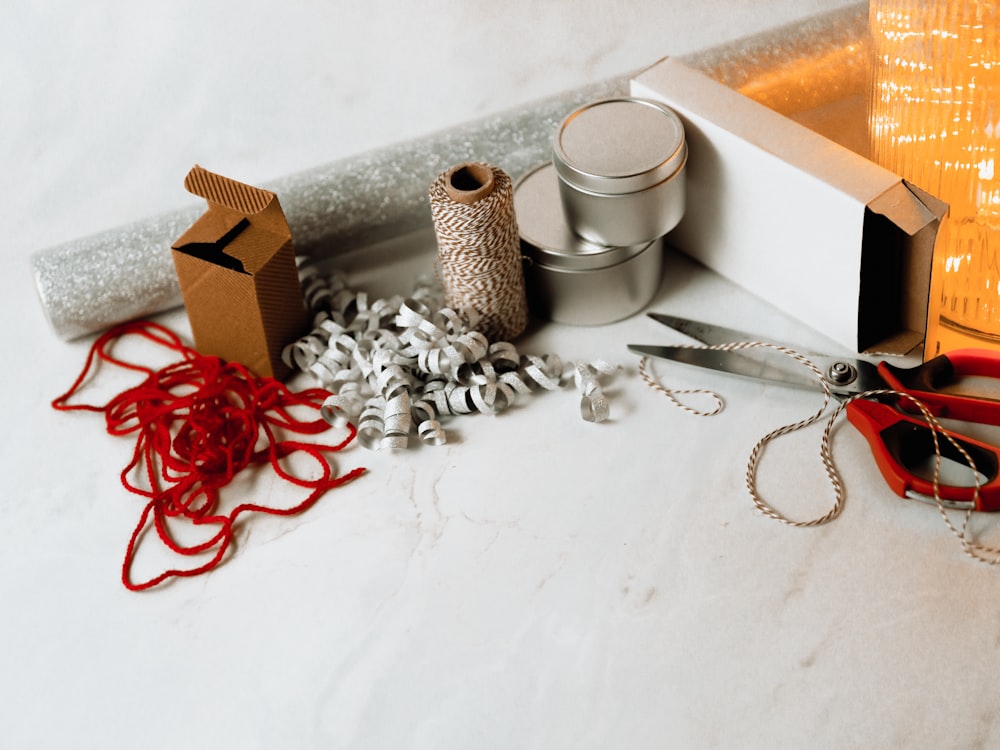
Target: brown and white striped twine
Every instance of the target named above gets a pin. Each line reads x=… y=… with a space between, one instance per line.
x=975 y=550
x=479 y=249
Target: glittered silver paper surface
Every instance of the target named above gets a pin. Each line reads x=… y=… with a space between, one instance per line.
x=92 y=283
x=95 y=282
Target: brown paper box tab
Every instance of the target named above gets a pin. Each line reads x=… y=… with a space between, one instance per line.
x=236 y=267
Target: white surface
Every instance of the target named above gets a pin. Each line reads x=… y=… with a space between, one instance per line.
x=539 y=582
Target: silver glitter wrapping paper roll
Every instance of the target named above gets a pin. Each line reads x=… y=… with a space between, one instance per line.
x=92 y=283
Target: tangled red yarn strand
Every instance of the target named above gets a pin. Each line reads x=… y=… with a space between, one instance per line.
x=198 y=423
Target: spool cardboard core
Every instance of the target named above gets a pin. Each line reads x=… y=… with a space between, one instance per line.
x=469 y=182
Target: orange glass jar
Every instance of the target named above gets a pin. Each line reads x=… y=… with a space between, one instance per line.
x=934 y=119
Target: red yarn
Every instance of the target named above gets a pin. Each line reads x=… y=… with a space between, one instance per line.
x=198 y=423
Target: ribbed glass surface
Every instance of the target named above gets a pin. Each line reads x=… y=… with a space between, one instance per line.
x=934 y=112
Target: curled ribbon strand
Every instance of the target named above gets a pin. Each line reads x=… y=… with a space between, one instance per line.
x=397 y=365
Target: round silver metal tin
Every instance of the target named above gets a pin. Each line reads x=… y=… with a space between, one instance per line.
x=621 y=166
x=568 y=278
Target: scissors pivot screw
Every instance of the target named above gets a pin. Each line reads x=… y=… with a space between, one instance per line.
x=841 y=373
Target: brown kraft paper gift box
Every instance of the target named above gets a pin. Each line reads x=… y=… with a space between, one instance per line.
x=237 y=273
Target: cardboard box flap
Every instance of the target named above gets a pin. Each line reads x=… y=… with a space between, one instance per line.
x=218 y=236
x=900 y=231
x=908 y=207
x=245 y=200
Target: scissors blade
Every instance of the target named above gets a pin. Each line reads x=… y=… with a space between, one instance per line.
x=731 y=363
x=846 y=376
x=706 y=333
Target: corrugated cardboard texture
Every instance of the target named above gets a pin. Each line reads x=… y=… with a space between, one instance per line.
x=237 y=273
x=819 y=231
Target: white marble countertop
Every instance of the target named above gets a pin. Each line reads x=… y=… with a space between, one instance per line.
x=539 y=581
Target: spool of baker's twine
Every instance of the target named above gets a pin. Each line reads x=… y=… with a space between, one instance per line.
x=479 y=249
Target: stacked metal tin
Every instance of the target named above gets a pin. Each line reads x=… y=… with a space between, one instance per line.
x=592 y=220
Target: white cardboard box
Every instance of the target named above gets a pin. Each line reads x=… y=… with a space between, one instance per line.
x=819 y=231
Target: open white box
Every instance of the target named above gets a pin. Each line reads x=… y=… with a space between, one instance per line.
x=816 y=229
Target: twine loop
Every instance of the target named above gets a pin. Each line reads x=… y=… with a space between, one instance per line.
x=971 y=547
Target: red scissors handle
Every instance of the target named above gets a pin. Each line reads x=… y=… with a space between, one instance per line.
x=925 y=382
x=899 y=441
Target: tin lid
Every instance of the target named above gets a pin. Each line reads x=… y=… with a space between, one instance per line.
x=619 y=145
x=546 y=237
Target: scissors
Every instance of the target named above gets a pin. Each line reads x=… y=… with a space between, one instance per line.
x=900 y=441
